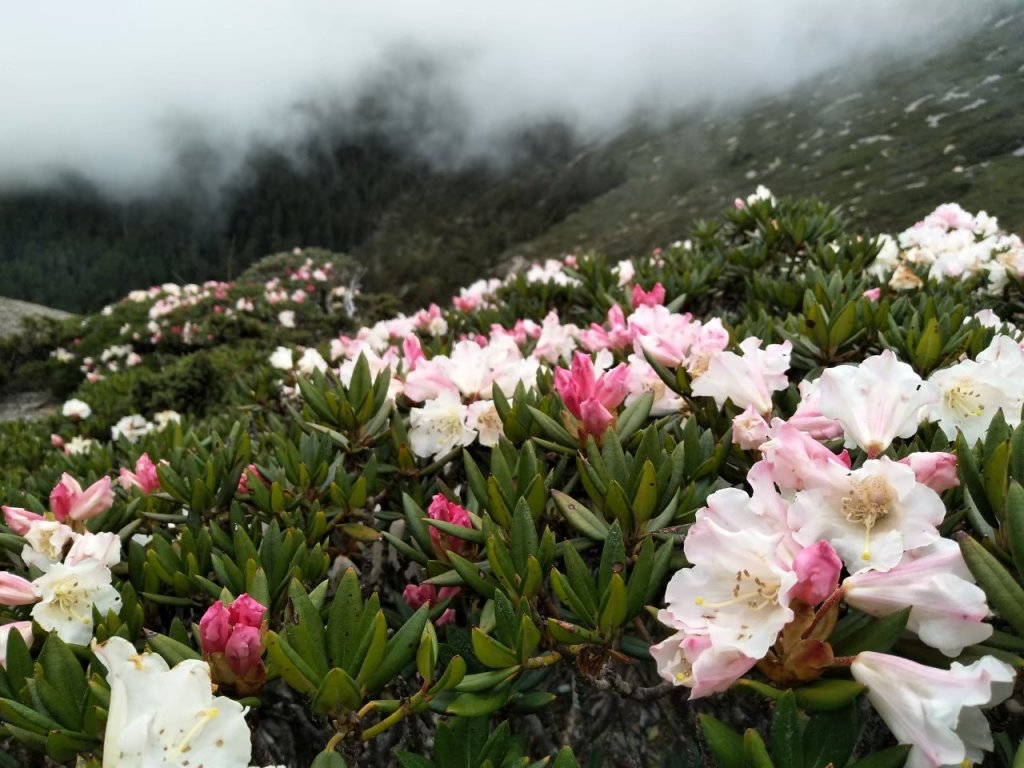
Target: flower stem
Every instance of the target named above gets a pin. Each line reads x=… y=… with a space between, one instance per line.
x=825 y=607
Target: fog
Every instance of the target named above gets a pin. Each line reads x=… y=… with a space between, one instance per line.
x=123 y=92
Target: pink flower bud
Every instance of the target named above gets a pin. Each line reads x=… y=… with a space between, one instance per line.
x=214 y=628
x=23 y=628
x=56 y=441
x=417 y=595
x=244 y=649
x=651 y=298
x=144 y=477
x=817 y=569
x=442 y=509
x=68 y=500
x=246 y=612
x=14 y=590
x=243 y=480
x=937 y=470
x=595 y=419
x=20 y=520
x=872 y=294
x=62 y=495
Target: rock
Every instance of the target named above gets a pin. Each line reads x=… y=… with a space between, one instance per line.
x=12 y=312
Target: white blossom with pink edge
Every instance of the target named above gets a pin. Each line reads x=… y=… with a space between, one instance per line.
x=747 y=379
x=937 y=711
x=973 y=391
x=876 y=401
x=947 y=609
x=871 y=515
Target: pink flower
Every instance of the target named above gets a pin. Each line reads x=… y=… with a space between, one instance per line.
x=817 y=569
x=590 y=397
x=749 y=429
x=14 y=590
x=23 y=628
x=413 y=351
x=20 y=520
x=144 y=477
x=872 y=294
x=449 y=512
x=56 y=441
x=214 y=628
x=69 y=501
x=246 y=611
x=102 y=547
x=747 y=379
x=417 y=595
x=651 y=298
x=690 y=660
x=937 y=470
x=797 y=461
x=244 y=649
x=618 y=337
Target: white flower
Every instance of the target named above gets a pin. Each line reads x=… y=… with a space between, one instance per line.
x=76 y=409
x=972 y=391
x=625 y=270
x=439 y=427
x=937 y=711
x=483 y=417
x=876 y=401
x=871 y=515
x=78 y=445
x=68 y=595
x=168 y=717
x=46 y=540
x=286 y=318
x=746 y=380
x=947 y=609
x=102 y=547
x=310 y=361
x=556 y=341
x=164 y=419
x=282 y=359
x=131 y=428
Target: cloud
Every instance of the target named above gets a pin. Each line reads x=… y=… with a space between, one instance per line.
x=121 y=91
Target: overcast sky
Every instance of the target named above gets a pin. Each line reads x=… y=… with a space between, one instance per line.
x=111 y=89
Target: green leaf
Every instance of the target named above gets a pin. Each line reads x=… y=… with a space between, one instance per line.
x=336 y=690
x=613 y=557
x=893 y=757
x=646 y=499
x=757 y=752
x=307 y=634
x=581 y=580
x=290 y=665
x=1015 y=523
x=63 y=671
x=787 y=733
x=343 y=621
x=470 y=573
x=172 y=651
x=879 y=635
x=829 y=737
x=634 y=416
x=376 y=640
x=524 y=536
x=827 y=695
x=477 y=704
x=724 y=743
x=613 y=612
x=490 y=652
x=401 y=649
x=579 y=517
x=552 y=428
x=1004 y=593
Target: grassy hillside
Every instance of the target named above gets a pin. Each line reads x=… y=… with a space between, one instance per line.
x=886 y=140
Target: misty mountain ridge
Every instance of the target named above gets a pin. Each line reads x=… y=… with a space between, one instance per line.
x=888 y=145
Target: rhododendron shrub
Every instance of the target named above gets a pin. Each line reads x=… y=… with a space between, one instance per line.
x=583 y=497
